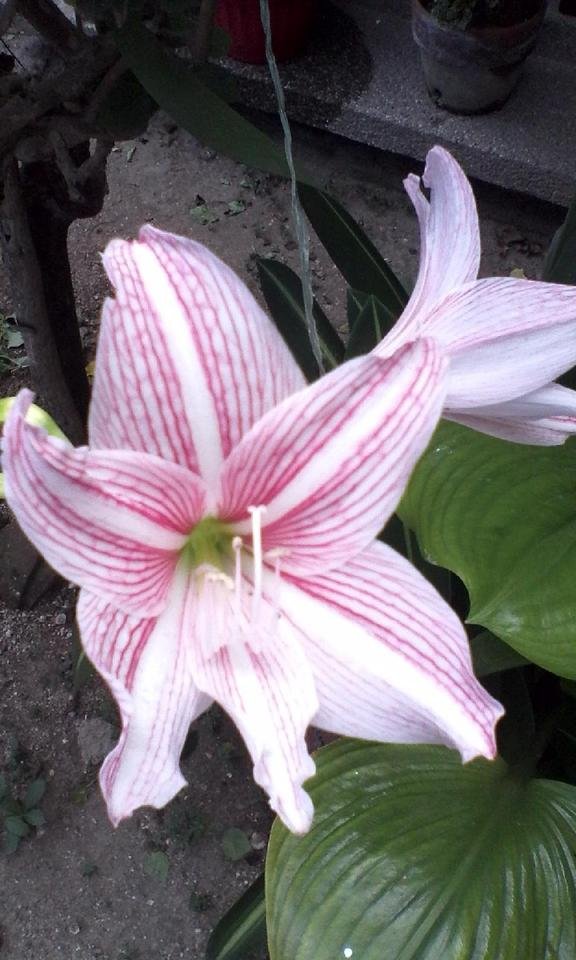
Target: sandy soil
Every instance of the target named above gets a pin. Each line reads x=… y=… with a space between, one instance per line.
x=77 y=888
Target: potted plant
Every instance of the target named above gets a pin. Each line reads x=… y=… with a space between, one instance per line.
x=290 y=23
x=473 y=51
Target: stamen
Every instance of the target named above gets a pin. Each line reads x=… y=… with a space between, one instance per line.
x=237 y=548
x=256 y=514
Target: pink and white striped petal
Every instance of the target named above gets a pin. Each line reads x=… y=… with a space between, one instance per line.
x=506 y=337
x=112 y=521
x=145 y=663
x=449 y=238
x=187 y=361
x=545 y=418
x=331 y=463
x=390 y=658
x=265 y=683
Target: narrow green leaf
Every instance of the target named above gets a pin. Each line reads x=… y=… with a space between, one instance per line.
x=282 y=290
x=492 y=655
x=560 y=262
x=242 y=930
x=127 y=110
x=373 y=322
x=194 y=106
x=34 y=794
x=83 y=671
x=415 y=856
x=352 y=251
x=355 y=300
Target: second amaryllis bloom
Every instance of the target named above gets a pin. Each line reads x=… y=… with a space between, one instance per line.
x=221 y=525
x=507 y=338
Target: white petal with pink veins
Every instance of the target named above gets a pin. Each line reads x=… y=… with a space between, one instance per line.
x=330 y=464
x=545 y=417
x=264 y=681
x=187 y=361
x=146 y=664
x=112 y=521
x=449 y=238
x=390 y=658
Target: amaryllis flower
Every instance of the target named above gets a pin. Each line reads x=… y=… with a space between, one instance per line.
x=221 y=525
x=507 y=338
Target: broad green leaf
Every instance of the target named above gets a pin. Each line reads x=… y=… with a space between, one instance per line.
x=282 y=290
x=560 y=262
x=492 y=655
x=503 y=517
x=414 y=856
x=242 y=930
x=34 y=794
x=178 y=89
x=356 y=257
x=373 y=322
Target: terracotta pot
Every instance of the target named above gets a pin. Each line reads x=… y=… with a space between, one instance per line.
x=474 y=70
x=290 y=20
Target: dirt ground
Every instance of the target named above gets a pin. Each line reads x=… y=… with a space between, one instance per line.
x=153 y=888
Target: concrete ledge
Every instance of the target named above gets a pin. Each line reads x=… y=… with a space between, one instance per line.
x=362 y=79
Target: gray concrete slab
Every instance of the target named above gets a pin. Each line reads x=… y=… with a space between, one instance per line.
x=362 y=80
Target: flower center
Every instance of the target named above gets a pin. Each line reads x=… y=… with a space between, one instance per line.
x=209 y=544
x=227 y=574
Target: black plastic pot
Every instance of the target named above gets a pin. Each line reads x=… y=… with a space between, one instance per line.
x=472 y=70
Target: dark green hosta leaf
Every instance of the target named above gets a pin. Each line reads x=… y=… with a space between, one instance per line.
x=282 y=290
x=413 y=856
x=194 y=106
x=242 y=929
x=356 y=257
x=373 y=322
x=503 y=517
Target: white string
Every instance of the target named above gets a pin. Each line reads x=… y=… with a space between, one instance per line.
x=302 y=235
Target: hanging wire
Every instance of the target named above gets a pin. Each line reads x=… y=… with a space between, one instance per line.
x=300 y=229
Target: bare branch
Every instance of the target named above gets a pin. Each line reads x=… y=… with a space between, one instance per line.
x=7 y=11
x=30 y=305
x=50 y=23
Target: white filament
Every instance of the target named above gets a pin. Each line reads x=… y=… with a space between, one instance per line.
x=232 y=612
x=256 y=515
